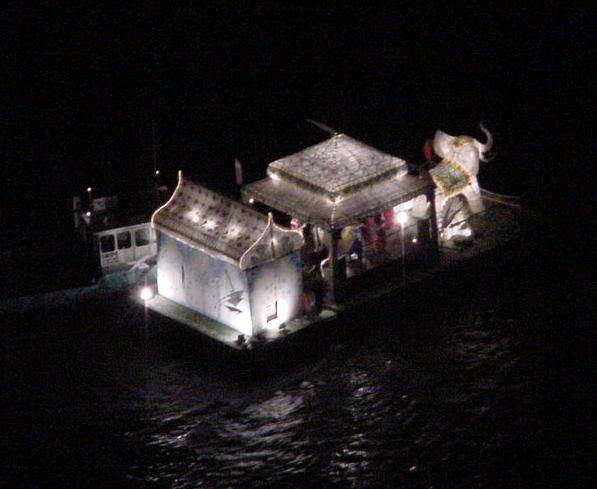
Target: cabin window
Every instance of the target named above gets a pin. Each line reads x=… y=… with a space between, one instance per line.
x=271 y=311
x=141 y=237
x=107 y=243
x=124 y=240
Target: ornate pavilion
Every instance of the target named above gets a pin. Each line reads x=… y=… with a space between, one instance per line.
x=343 y=187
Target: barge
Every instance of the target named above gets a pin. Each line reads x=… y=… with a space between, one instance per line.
x=332 y=228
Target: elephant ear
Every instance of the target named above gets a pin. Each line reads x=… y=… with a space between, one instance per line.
x=441 y=143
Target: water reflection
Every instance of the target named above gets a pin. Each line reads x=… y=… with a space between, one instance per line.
x=439 y=396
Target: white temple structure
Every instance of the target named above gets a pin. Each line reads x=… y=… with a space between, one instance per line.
x=227 y=261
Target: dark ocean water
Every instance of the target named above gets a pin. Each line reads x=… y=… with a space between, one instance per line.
x=482 y=384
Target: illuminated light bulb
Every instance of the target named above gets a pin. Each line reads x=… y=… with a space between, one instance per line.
x=89 y=189
x=195 y=218
x=88 y=213
x=146 y=293
x=251 y=200
x=414 y=240
x=402 y=217
x=157 y=172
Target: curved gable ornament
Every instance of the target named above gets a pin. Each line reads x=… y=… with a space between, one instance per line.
x=173 y=197
x=273 y=243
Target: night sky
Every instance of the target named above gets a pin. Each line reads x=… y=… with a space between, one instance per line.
x=81 y=88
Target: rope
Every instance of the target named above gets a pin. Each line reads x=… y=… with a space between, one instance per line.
x=487 y=193
x=502 y=201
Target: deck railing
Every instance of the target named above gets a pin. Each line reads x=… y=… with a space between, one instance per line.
x=492 y=200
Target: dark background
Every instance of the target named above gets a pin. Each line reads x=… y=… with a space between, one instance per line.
x=82 y=85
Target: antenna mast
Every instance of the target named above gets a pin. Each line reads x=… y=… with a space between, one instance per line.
x=156 y=172
x=323 y=127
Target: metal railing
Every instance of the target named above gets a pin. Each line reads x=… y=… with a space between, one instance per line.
x=511 y=200
x=492 y=200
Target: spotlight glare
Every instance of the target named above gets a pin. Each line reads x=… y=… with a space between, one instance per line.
x=146 y=293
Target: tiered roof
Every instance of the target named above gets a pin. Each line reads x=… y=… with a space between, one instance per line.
x=337 y=167
x=336 y=182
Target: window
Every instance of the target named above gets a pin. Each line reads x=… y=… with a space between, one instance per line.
x=107 y=243
x=271 y=311
x=124 y=240
x=141 y=237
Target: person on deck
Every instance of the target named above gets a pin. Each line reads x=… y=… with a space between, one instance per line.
x=388 y=218
x=379 y=242
x=356 y=247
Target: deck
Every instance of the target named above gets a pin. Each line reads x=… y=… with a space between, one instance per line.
x=498 y=226
x=227 y=335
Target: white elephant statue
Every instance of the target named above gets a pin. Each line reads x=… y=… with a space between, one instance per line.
x=457 y=173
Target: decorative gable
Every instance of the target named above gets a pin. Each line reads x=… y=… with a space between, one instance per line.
x=273 y=243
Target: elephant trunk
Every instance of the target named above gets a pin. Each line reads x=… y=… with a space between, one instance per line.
x=485 y=148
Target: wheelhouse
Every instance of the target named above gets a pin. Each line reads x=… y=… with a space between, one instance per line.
x=119 y=248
